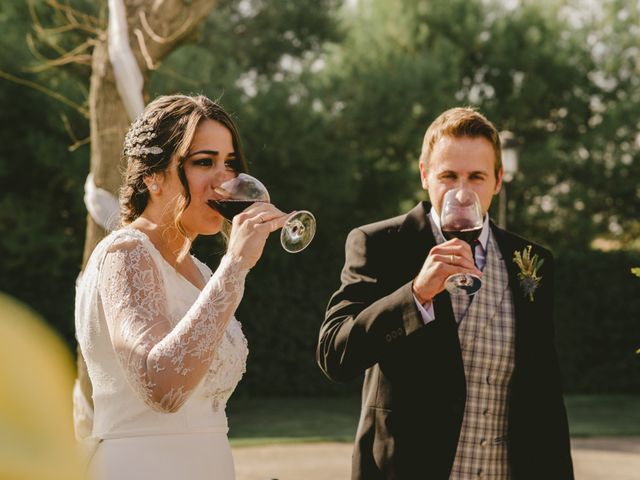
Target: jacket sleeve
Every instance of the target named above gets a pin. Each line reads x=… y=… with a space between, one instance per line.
x=364 y=319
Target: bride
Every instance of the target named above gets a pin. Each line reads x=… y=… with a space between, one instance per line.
x=154 y=324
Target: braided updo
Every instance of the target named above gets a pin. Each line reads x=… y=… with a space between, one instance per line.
x=165 y=129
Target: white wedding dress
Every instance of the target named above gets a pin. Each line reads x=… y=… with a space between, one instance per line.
x=163 y=358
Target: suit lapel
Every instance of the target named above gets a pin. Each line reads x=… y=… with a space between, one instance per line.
x=508 y=244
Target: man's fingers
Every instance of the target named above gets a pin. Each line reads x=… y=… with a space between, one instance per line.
x=452 y=253
x=456 y=264
x=454 y=260
x=455 y=246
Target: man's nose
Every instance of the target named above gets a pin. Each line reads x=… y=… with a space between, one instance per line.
x=463 y=183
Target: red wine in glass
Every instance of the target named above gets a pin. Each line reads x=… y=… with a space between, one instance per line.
x=238 y=193
x=230 y=208
x=461 y=217
x=469 y=235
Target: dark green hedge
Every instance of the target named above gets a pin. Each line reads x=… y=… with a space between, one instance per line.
x=597 y=313
x=597 y=316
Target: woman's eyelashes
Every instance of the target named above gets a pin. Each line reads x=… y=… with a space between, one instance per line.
x=204 y=162
x=229 y=164
x=232 y=164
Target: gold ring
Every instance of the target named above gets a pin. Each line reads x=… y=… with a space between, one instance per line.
x=453 y=258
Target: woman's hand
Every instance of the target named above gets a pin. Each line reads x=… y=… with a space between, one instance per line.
x=250 y=230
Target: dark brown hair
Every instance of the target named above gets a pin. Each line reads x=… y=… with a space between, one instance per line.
x=461 y=122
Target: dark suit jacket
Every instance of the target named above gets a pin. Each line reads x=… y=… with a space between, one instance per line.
x=414 y=389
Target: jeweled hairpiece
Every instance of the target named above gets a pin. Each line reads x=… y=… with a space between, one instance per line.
x=141 y=132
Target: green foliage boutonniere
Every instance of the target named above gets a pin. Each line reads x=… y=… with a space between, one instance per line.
x=529 y=266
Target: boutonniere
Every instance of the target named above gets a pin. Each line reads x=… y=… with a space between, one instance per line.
x=529 y=266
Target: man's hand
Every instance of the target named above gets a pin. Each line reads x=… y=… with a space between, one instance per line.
x=444 y=260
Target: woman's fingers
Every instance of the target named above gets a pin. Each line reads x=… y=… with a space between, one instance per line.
x=251 y=229
x=262 y=213
x=274 y=223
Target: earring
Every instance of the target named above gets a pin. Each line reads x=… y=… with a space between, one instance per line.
x=154 y=187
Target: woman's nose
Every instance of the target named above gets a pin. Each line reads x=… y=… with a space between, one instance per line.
x=221 y=176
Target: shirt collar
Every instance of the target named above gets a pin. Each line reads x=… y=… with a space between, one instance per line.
x=484 y=235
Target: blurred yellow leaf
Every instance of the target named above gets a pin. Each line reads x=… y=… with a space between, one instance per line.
x=36 y=425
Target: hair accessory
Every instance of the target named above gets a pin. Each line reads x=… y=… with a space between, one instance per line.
x=141 y=132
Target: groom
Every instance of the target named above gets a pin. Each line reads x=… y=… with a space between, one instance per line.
x=455 y=387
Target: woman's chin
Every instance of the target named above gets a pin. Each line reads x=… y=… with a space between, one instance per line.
x=213 y=227
x=210 y=232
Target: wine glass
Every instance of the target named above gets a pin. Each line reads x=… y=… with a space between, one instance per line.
x=243 y=190
x=461 y=217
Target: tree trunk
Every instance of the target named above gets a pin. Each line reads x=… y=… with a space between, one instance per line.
x=169 y=23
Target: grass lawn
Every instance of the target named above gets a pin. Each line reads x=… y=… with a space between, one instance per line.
x=603 y=415
x=285 y=420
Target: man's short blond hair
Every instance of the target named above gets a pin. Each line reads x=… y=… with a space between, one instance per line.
x=461 y=122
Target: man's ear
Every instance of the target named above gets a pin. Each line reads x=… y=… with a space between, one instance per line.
x=423 y=174
x=499 y=182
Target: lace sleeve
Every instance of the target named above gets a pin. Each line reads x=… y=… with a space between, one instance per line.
x=164 y=363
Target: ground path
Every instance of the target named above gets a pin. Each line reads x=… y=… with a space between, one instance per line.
x=612 y=458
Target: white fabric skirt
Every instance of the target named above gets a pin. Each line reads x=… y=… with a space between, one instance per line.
x=193 y=456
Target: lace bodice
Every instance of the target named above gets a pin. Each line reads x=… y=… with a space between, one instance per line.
x=155 y=344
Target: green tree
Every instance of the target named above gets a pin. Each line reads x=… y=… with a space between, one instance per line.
x=563 y=78
x=43 y=163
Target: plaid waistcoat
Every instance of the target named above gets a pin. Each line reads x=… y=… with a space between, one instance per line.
x=486 y=329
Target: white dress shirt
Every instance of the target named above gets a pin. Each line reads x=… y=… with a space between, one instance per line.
x=426 y=310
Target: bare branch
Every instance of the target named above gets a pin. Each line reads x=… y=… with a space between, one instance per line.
x=167 y=30
x=71 y=13
x=70 y=27
x=34 y=50
x=143 y=49
x=47 y=35
x=73 y=56
x=58 y=62
x=160 y=39
x=164 y=70
x=61 y=98
x=39 y=29
x=77 y=143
